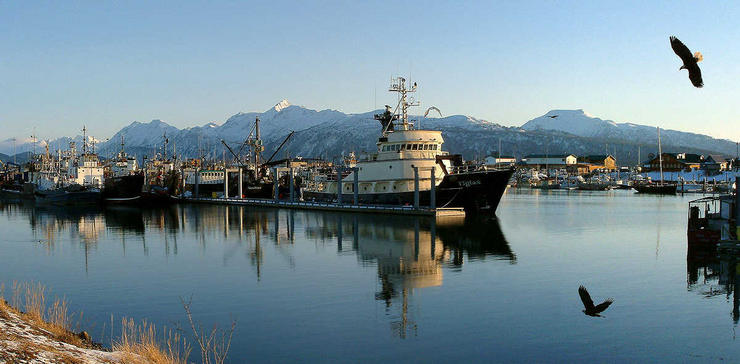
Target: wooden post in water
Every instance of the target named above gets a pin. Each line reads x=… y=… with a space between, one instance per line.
x=182 y=179
x=276 y=182
x=197 y=182
x=356 y=185
x=290 y=180
x=737 y=208
x=241 y=191
x=416 y=187
x=226 y=182
x=433 y=190
x=339 y=185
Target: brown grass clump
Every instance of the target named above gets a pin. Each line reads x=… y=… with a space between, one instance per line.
x=141 y=345
x=54 y=322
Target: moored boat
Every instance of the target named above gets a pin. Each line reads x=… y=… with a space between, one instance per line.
x=409 y=160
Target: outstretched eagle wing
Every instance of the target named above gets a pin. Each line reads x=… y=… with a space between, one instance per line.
x=682 y=51
x=695 y=75
x=588 y=303
x=603 y=305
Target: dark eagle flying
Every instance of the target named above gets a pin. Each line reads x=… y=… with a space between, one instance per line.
x=689 y=61
x=588 y=303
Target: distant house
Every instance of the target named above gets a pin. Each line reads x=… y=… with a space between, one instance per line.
x=674 y=162
x=554 y=160
x=594 y=162
x=504 y=160
x=690 y=160
x=714 y=164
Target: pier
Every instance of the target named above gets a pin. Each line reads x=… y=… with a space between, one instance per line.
x=293 y=202
x=326 y=206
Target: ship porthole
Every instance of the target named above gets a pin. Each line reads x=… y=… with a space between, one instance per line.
x=390 y=167
x=384 y=188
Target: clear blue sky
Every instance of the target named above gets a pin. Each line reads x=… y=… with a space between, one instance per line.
x=106 y=63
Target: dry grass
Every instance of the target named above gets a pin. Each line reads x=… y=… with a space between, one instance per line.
x=138 y=343
x=215 y=344
x=29 y=299
x=141 y=343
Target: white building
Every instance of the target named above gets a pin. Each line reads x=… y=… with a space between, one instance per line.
x=501 y=160
x=550 y=160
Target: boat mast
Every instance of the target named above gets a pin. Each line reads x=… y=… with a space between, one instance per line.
x=399 y=85
x=660 y=157
x=258 y=141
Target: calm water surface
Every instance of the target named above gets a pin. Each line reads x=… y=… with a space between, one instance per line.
x=315 y=286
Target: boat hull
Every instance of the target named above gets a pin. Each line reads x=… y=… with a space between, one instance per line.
x=123 y=187
x=656 y=189
x=58 y=197
x=474 y=191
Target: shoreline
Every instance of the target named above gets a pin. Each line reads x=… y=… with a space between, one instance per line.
x=24 y=338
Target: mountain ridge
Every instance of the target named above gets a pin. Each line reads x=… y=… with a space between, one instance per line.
x=330 y=133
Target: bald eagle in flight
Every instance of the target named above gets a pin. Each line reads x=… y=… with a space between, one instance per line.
x=588 y=303
x=689 y=61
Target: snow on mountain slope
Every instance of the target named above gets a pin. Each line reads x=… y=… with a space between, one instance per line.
x=570 y=121
x=580 y=123
x=330 y=133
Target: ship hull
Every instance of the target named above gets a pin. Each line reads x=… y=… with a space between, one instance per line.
x=475 y=192
x=123 y=188
x=61 y=197
x=656 y=190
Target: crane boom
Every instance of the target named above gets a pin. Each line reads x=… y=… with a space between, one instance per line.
x=281 y=146
x=238 y=160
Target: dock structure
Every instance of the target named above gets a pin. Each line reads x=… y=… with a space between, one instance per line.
x=327 y=206
x=293 y=201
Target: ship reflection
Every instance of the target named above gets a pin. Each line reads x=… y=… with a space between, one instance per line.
x=409 y=253
x=711 y=273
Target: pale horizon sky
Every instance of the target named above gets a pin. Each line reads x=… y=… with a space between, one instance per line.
x=107 y=64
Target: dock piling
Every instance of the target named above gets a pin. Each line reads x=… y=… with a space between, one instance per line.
x=356 y=185
x=416 y=187
x=290 y=180
x=226 y=182
x=197 y=181
x=241 y=191
x=432 y=191
x=737 y=208
x=339 y=184
x=275 y=178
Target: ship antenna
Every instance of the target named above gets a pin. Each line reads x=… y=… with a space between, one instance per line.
x=399 y=85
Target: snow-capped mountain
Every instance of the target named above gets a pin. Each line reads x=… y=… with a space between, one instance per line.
x=580 y=123
x=330 y=133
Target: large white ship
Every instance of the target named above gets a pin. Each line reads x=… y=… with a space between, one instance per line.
x=389 y=175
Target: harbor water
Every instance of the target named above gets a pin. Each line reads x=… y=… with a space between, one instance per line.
x=327 y=286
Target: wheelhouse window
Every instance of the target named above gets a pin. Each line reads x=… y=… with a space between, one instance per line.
x=415 y=147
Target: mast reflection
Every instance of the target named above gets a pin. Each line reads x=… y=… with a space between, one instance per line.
x=409 y=253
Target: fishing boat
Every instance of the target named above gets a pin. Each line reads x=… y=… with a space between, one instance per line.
x=124 y=185
x=408 y=160
x=661 y=187
x=68 y=195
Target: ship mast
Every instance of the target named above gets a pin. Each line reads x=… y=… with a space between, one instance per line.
x=399 y=85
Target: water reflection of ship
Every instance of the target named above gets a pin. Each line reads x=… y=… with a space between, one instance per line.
x=711 y=273
x=410 y=252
